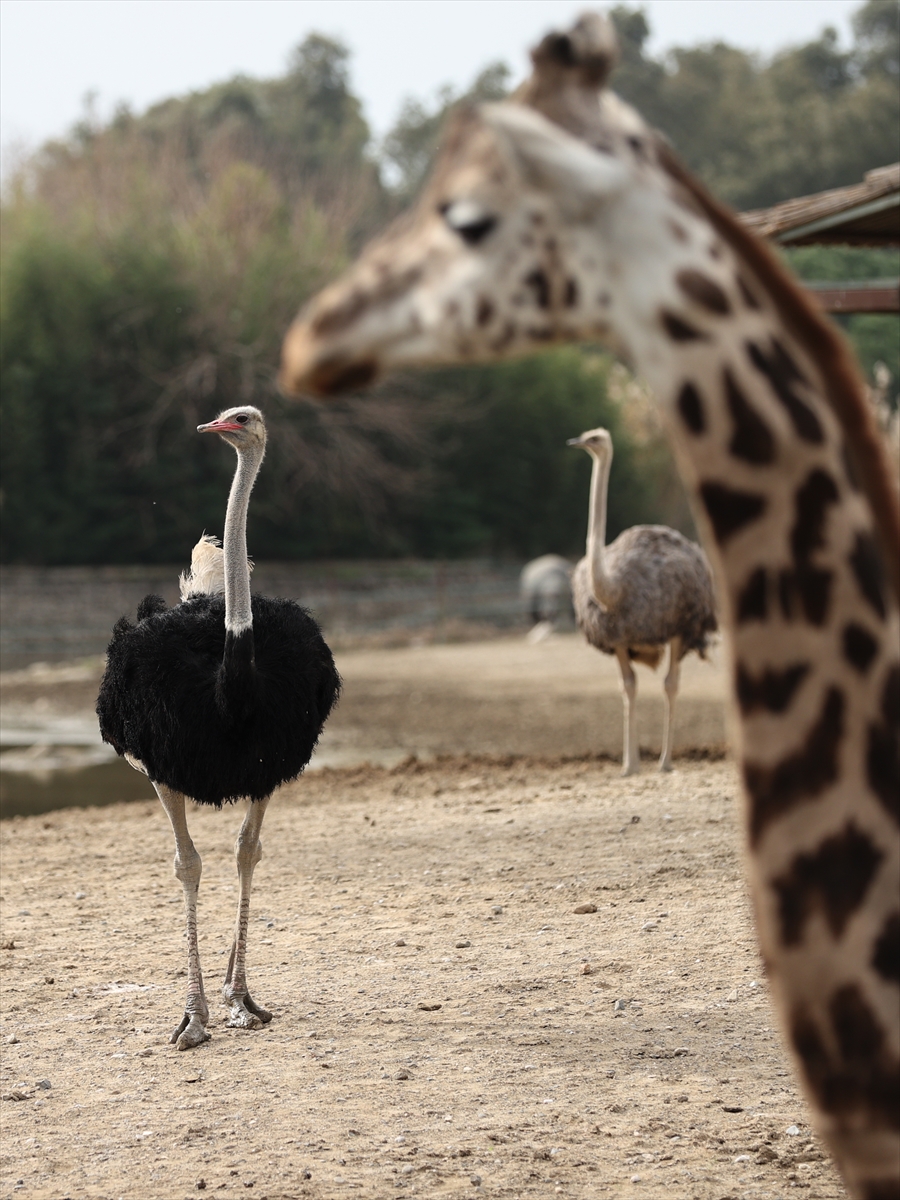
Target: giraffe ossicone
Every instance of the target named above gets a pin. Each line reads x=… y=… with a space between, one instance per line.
x=559 y=216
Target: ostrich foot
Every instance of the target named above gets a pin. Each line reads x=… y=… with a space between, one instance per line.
x=665 y=764
x=244 y=1012
x=631 y=768
x=190 y=1033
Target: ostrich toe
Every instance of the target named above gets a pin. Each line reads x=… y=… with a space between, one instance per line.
x=244 y=1012
x=190 y=1033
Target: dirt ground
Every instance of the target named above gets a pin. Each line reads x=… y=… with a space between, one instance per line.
x=448 y=1023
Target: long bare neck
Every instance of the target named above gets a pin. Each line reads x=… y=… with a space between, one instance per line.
x=238 y=614
x=602 y=587
x=796 y=532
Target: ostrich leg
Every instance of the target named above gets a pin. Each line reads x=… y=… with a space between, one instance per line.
x=631 y=756
x=192 y=1029
x=671 y=689
x=245 y=1013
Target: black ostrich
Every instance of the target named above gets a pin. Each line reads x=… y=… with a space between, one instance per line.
x=221 y=698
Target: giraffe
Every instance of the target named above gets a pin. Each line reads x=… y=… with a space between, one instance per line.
x=560 y=216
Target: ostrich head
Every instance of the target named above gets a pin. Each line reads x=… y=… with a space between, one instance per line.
x=242 y=427
x=596 y=441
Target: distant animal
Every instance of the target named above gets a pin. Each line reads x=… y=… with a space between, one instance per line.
x=650 y=587
x=546 y=590
x=218 y=699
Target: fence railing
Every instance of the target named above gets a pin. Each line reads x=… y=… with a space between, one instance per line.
x=53 y=613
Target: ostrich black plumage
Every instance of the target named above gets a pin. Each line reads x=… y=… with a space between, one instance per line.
x=221 y=698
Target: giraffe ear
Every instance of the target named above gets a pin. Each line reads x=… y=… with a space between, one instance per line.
x=551 y=158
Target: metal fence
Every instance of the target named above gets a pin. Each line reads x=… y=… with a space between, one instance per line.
x=53 y=613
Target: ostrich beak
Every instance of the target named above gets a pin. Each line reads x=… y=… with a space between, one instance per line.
x=219 y=427
x=575 y=442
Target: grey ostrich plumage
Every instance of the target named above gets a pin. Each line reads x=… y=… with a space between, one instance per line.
x=666 y=592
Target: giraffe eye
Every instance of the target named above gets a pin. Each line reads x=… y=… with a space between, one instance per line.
x=468 y=219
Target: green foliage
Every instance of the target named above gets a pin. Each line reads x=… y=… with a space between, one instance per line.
x=758 y=132
x=150 y=267
x=409 y=149
x=505 y=481
x=875 y=336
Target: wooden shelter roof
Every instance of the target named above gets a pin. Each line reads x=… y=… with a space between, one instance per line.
x=864 y=214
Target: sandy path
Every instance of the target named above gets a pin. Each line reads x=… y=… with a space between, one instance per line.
x=453 y=885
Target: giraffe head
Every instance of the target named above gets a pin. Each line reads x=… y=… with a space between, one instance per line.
x=501 y=254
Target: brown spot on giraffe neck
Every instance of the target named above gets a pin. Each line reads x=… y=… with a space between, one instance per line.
x=883 y=749
x=690 y=405
x=703 y=291
x=539 y=284
x=680 y=330
x=746 y=294
x=771 y=691
x=833 y=881
x=730 y=510
x=859 y=647
x=801 y=776
x=784 y=375
x=811 y=503
x=886 y=953
x=752 y=601
x=868 y=569
x=752 y=440
x=484 y=311
x=859 y=1077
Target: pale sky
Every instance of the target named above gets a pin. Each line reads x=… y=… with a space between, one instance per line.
x=52 y=52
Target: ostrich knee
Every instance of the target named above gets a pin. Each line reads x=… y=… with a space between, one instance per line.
x=188 y=867
x=247 y=853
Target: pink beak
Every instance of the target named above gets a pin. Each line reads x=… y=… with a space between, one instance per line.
x=219 y=427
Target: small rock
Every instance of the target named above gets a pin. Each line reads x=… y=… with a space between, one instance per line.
x=475 y=1180
x=49 y=979
x=423 y=1007
x=792 y=1131
x=24 y=912
x=15 y=1094
x=741 y=1158
x=732 y=996
x=12 y=1040
x=400 y=1140
x=732 y=1108
x=585 y=908
x=635 y=1179
x=402 y=1074
x=80 y=895
x=497 y=909
x=649 y=926
x=463 y=945
x=400 y=942
x=766 y=1154
x=201 y=1185
x=145 y=1053
x=306 y=1175
x=407 y=1170
x=9 y=944
x=44 y=1084
x=587 y=969
x=619 y=1006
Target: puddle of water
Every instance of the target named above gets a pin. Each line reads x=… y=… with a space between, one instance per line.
x=28 y=793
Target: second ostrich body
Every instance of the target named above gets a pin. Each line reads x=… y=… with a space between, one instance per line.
x=218 y=699
x=649 y=588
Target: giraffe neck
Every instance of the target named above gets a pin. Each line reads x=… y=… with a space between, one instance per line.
x=814 y=642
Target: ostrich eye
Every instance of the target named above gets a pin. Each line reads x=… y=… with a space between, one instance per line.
x=470 y=220
x=242 y=418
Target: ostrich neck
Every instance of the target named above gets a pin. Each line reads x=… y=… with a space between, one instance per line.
x=238 y=614
x=603 y=590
